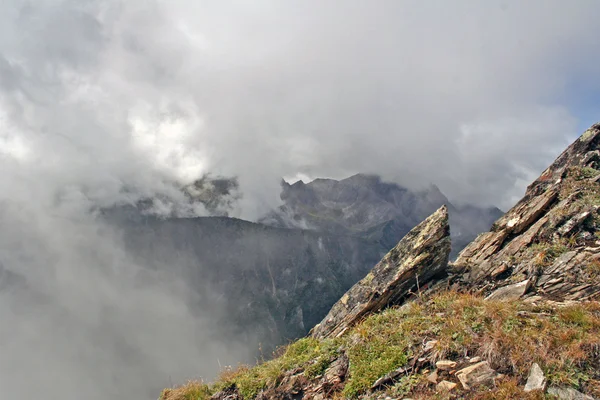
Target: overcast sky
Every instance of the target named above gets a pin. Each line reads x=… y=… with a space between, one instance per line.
x=99 y=96
x=477 y=97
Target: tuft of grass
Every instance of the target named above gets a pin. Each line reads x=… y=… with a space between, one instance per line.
x=593 y=269
x=577 y=179
x=311 y=355
x=193 y=390
x=547 y=252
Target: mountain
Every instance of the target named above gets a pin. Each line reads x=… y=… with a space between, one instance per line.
x=516 y=315
x=285 y=277
x=365 y=206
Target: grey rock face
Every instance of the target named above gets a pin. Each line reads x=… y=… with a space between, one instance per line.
x=421 y=255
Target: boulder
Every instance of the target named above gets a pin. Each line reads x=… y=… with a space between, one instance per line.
x=418 y=258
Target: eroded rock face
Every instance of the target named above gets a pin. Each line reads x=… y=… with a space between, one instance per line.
x=420 y=256
x=550 y=238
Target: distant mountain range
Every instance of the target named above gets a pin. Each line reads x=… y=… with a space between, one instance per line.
x=364 y=206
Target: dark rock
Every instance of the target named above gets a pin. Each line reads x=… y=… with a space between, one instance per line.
x=416 y=259
x=230 y=393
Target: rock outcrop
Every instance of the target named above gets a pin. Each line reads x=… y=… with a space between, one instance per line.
x=547 y=244
x=420 y=256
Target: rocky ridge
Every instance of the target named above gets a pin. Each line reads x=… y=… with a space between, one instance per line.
x=548 y=244
x=515 y=316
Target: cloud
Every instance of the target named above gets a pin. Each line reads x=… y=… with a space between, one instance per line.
x=264 y=90
x=109 y=101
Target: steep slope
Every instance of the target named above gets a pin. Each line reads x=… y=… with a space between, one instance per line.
x=365 y=206
x=518 y=315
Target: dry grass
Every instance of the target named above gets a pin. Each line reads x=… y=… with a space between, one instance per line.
x=193 y=390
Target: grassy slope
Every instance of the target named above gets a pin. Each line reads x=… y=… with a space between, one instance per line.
x=565 y=341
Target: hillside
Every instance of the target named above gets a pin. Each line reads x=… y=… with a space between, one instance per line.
x=284 y=280
x=515 y=316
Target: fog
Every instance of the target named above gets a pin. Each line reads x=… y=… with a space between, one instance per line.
x=105 y=102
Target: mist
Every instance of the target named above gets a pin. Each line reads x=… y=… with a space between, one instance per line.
x=105 y=102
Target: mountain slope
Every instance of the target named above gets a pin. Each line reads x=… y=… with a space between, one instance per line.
x=536 y=334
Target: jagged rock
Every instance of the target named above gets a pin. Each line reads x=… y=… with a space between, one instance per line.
x=545 y=239
x=574 y=222
x=568 y=394
x=445 y=365
x=445 y=386
x=420 y=256
x=510 y=292
x=480 y=374
x=536 y=379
